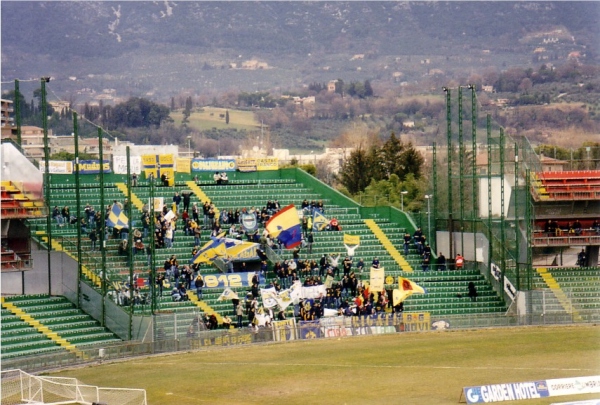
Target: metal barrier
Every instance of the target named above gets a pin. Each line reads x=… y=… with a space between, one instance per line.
x=288 y=331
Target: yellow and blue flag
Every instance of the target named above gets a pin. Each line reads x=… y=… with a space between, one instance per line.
x=158 y=165
x=117 y=218
x=210 y=251
x=285 y=226
x=320 y=222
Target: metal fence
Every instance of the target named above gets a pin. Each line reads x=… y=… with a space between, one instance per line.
x=198 y=338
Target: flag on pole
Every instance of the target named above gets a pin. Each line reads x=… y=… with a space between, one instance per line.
x=117 y=218
x=285 y=226
x=405 y=284
x=269 y=297
x=406 y=288
x=284 y=299
x=210 y=251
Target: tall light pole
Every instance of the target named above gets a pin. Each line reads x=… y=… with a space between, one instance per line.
x=428 y=197
x=402 y=194
x=47 y=178
x=189 y=138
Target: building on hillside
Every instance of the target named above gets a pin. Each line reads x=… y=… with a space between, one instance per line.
x=8 y=120
x=58 y=106
x=120 y=149
x=32 y=141
x=332 y=157
x=331 y=86
x=552 y=165
x=254 y=64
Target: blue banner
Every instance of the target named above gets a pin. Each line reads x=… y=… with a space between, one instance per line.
x=93 y=166
x=309 y=329
x=230 y=280
x=213 y=165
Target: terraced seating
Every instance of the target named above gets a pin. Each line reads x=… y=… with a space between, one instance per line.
x=443 y=288
x=567 y=185
x=21 y=339
x=581 y=285
x=61 y=317
x=16 y=204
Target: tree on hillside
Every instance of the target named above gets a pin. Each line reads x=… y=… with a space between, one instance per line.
x=391 y=156
x=227 y=117
x=138 y=112
x=354 y=173
x=187 y=111
x=381 y=162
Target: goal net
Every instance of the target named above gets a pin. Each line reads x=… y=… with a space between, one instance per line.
x=19 y=387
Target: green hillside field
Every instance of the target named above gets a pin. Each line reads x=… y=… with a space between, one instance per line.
x=210 y=117
x=401 y=368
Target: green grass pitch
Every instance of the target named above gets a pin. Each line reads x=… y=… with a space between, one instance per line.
x=402 y=368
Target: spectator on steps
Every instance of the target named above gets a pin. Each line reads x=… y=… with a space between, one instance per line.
x=459 y=261
x=441 y=262
x=472 y=291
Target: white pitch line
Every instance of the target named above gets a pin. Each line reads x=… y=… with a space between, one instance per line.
x=229 y=364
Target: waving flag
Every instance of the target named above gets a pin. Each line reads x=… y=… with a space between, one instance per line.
x=284 y=298
x=319 y=221
x=406 y=288
x=285 y=225
x=210 y=251
x=228 y=294
x=117 y=218
x=269 y=297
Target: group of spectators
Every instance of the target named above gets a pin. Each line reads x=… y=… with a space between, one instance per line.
x=553 y=228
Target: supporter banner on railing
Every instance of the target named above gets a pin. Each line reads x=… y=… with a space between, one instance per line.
x=93 y=166
x=509 y=288
x=242 y=279
x=183 y=165
x=226 y=340
x=416 y=321
x=257 y=164
x=120 y=164
x=379 y=319
x=284 y=330
x=57 y=167
x=309 y=329
x=158 y=165
x=213 y=165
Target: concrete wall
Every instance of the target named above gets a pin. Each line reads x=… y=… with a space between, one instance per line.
x=481 y=249
x=36 y=280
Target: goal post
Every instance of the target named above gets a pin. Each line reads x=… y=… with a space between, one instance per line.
x=19 y=387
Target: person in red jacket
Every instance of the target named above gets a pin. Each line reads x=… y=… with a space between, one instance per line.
x=459 y=261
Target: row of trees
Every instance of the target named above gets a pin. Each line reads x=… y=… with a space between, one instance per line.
x=380 y=162
x=352 y=89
